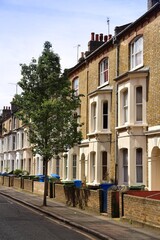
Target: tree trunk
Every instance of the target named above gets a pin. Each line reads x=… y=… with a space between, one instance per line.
x=45 y=164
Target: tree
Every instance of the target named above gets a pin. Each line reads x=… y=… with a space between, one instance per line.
x=46 y=106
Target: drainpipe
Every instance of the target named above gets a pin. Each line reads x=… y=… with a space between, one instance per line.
x=116 y=43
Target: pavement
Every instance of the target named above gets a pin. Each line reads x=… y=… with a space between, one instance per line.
x=99 y=226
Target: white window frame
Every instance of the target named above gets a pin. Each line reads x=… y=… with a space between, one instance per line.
x=93 y=165
x=13 y=142
x=136 y=53
x=125 y=106
x=38 y=165
x=74 y=166
x=104 y=166
x=125 y=165
x=22 y=139
x=104 y=72
x=104 y=116
x=75 y=85
x=66 y=167
x=139 y=165
x=57 y=165
x=93 y=116
x=139 y=104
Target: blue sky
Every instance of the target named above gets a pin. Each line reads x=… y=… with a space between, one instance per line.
x=26 y=24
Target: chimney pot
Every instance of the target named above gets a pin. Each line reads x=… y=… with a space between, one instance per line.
x=92 y=36
x=82 y=54
x=105 y=38
x=101 y=37
x=109 y=36
x=97 y=37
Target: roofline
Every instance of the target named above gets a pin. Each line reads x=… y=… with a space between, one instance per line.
x=139 y=19
x=119 y=35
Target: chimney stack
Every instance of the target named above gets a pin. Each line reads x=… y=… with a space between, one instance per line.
x=151 y=3
x=6 y=113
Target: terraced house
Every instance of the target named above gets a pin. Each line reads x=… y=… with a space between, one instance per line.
x=119 y=77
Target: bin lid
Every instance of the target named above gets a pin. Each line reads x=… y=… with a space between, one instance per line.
x=54 y=175
x=79 y=181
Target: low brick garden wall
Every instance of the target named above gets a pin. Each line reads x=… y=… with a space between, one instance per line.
x=38 y=187
x=1 y=180
x=85 y=199
x=113 y=204
x=142 y=206
x=28 y=185
x=17 y=182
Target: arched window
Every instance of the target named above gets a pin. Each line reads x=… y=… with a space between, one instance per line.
x=103 y=72
x=136 y=53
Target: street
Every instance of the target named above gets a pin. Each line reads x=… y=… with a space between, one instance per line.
x=21 y=223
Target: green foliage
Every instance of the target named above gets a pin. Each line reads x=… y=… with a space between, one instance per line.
x=17 y=172
x=46 y=105
x=25 y=173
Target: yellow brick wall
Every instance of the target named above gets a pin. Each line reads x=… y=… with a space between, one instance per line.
x=88 y=83
x=151 y=59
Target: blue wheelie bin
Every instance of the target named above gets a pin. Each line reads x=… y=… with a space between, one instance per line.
x=105 y=187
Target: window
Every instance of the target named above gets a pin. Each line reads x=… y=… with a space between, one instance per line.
x=1 y=166
x=139 y=166
x=74 y=165
x=136 y=52
x=66 y=166
x=93 y=156
x=22 y=139
x=93 y=120
x=125 y=106
x=38 y=162
x=105 y=115
x=76 y=86
x=125 y=165
x=22 y=165
x=139 y=104
x=57 y=165
x=29 y=166
x=104 y=166
x=13 y=143
x=10 y=125
x=14 y=122
x=103 y=71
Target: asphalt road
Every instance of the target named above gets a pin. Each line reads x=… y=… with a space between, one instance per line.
x=21 y=223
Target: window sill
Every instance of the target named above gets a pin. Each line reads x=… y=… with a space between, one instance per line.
x=104 y=84
x=131 y=125
x=137 y=67
x=99 y=133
